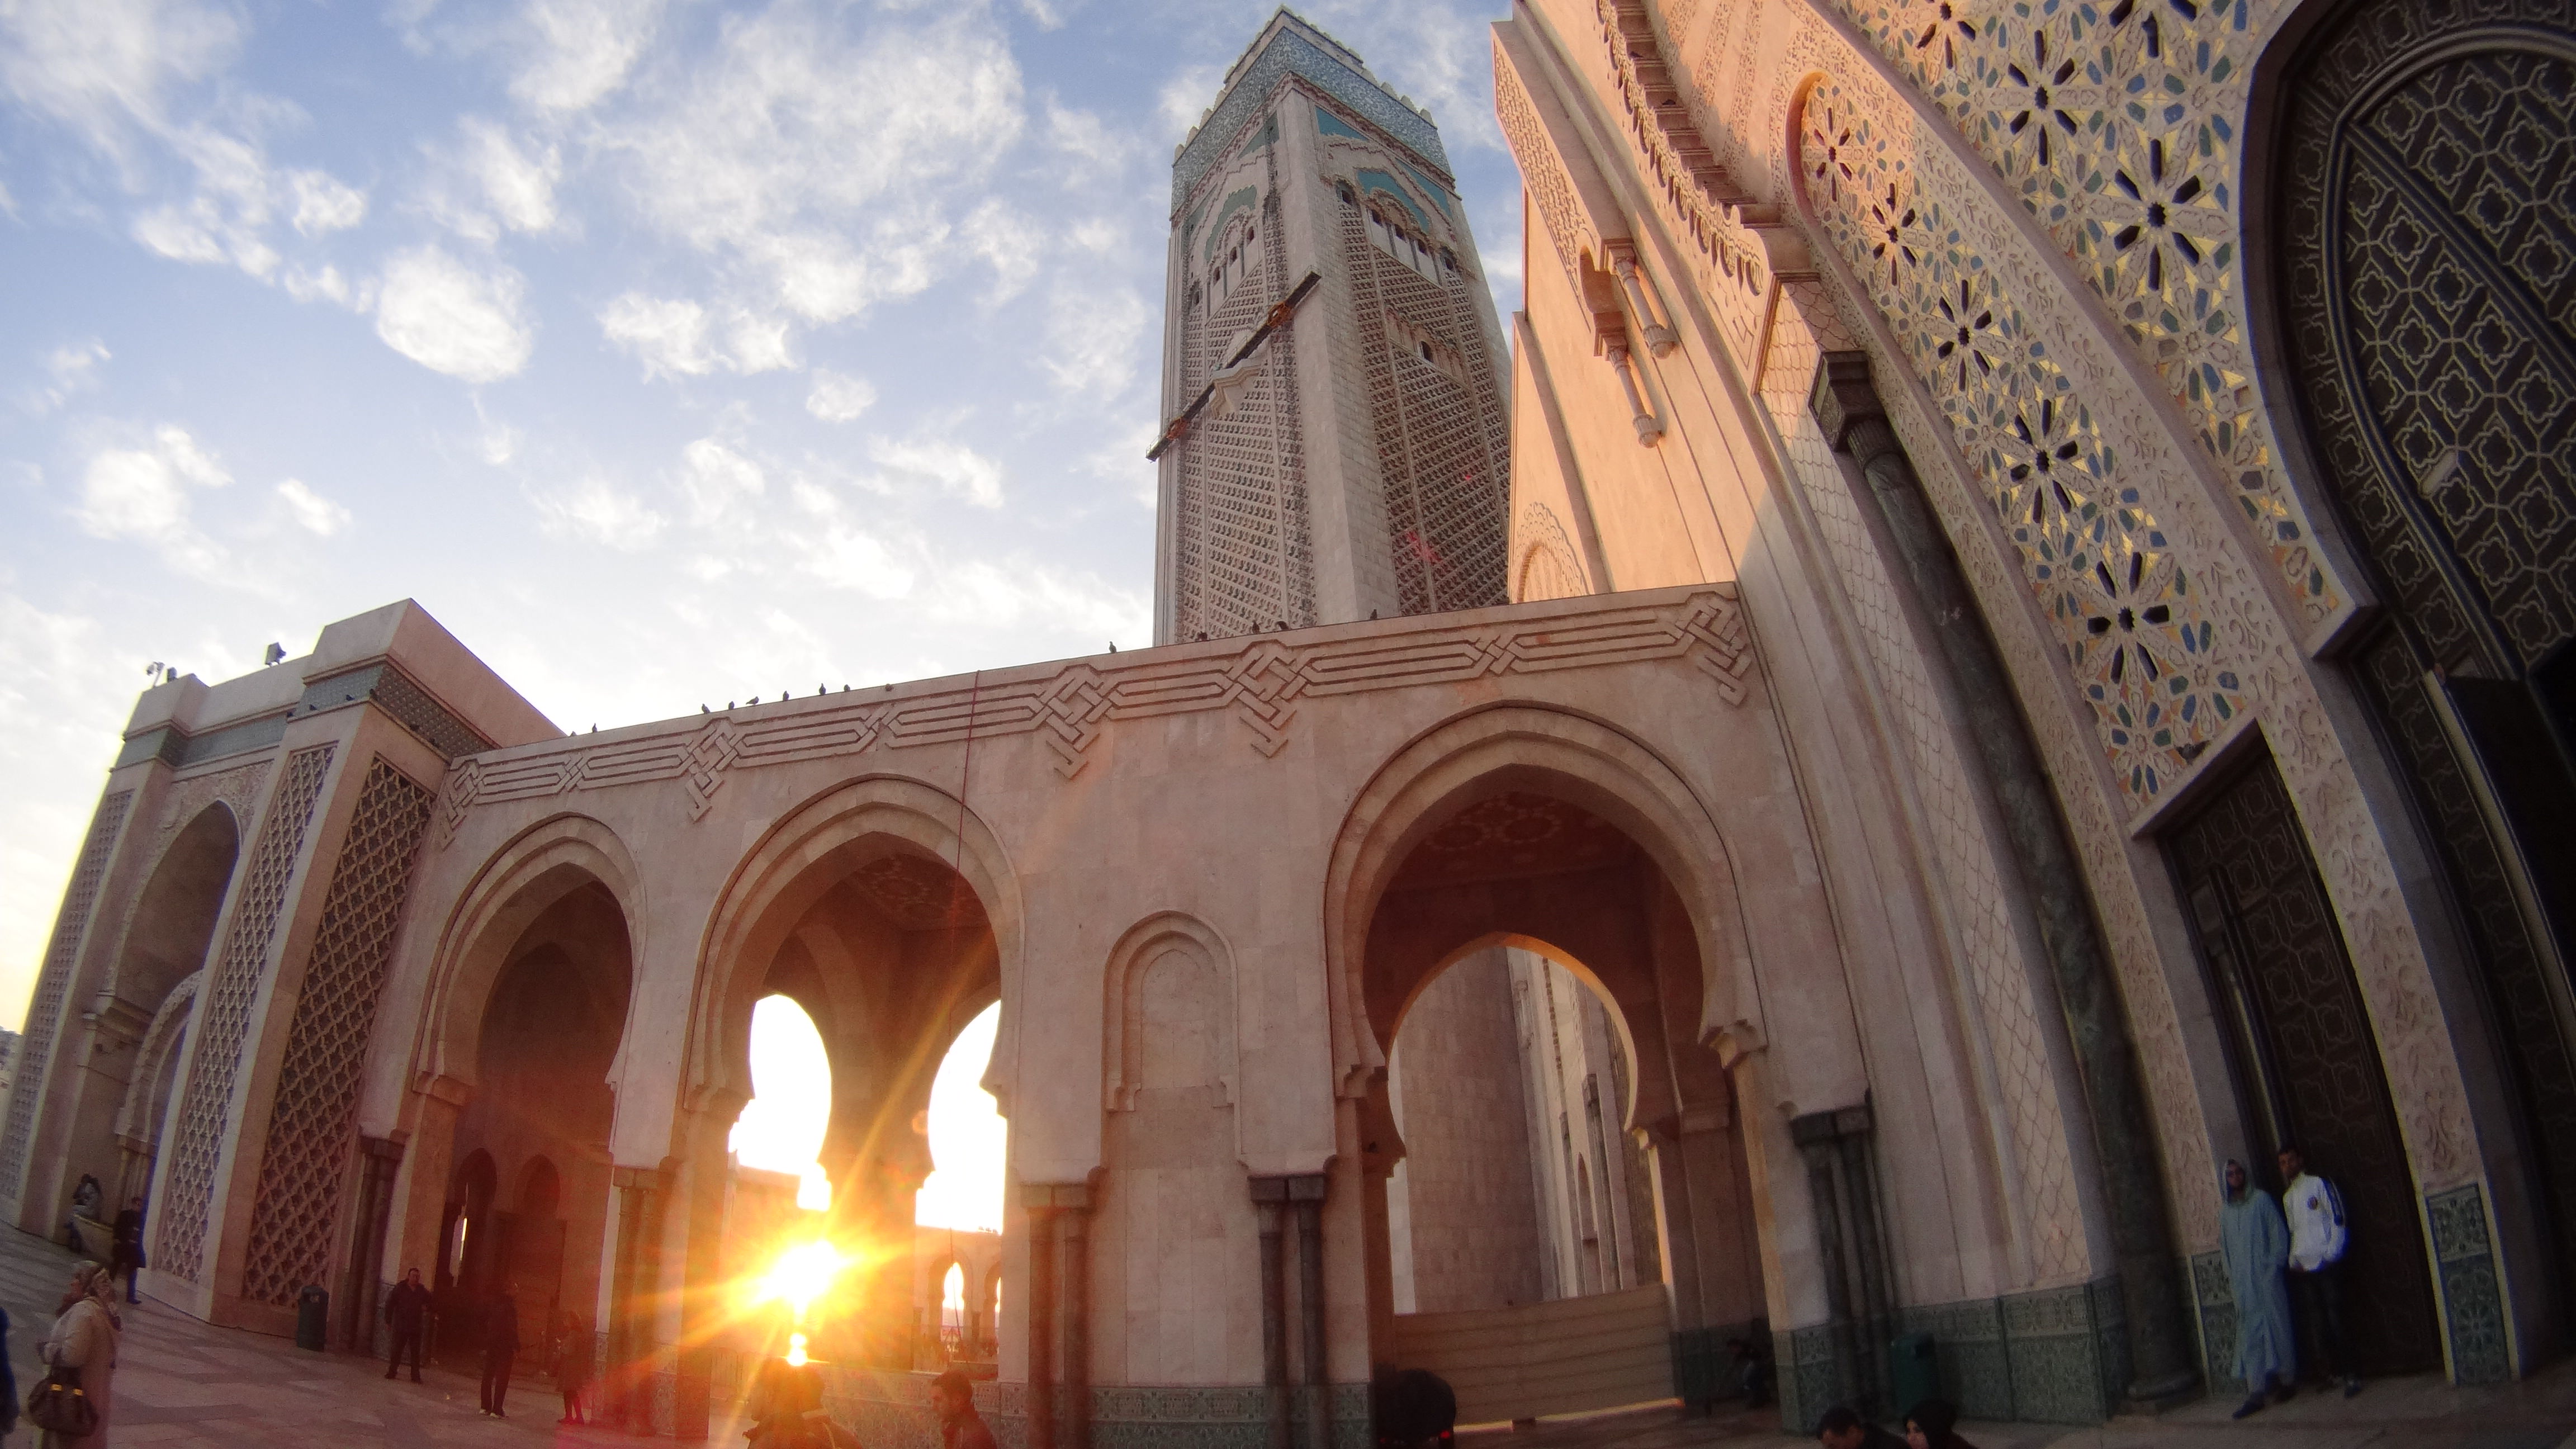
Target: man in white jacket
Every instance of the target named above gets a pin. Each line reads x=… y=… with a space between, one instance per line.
x=2315 y=1269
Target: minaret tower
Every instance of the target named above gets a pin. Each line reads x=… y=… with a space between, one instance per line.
x=1335 y=445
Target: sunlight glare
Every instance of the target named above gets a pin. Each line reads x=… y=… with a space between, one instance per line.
x=781 y=1128
x=968 y=1137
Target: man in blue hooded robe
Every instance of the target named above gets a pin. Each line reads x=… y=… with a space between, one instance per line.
x=2256 y=1242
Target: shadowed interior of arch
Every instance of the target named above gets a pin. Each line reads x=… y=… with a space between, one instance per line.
x=1534 y=980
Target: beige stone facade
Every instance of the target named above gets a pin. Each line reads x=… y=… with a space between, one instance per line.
x=1967 y=754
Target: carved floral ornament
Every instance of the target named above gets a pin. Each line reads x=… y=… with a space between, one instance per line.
x=2117 y=124
x=1261 y=684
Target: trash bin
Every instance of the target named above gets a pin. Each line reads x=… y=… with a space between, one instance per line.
x=312 y=1317
x=1914 y=1372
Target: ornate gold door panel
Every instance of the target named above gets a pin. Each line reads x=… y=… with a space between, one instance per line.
x=2427 y=270
x=2307 y=1064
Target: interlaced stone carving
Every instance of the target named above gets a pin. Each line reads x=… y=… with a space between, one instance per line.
x=2135 y=633
x=309 y=1123
x=45 y=1012
x=1550 y=567
x=1260 y=683
x=238 y=789
x=198 y=1148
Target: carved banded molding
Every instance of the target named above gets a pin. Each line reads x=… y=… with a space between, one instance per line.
x=1262 y=684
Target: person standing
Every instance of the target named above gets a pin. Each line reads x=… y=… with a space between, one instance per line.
x=85 y=1200
x=407 y=1313
x=127 y=1257
x=84 y=1339
x=2317 y=1240
x=2256 y=1243
x=1933 y=1424
x=1842 y=1428
x=500 y=1345
x=572 y=1365
x=952 y=1397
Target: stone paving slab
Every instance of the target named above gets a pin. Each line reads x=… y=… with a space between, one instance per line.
x=181 y=1384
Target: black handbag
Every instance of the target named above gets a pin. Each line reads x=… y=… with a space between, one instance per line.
x=59 y=1407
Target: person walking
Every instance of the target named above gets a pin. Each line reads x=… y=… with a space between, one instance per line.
x=2317 y=1240
x=407 y=1314
x=2256 y=1243
x=500 y=1345
x=84 y=1340
x=572 y=1365
x=127 y=1257
x=8 y=1383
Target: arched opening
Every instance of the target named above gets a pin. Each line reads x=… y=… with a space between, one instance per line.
x=124 y=1090
x=891 y=954
x=957 y=1214
x=2416 y=323
x=550 y=1028
x=1553 y=1152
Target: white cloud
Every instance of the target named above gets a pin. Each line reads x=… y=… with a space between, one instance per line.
x=448 y=318
x=489 y=182
x=1091 y=148
x=837 y=397
x=1186 y=97
x=1007 y=240
x=1094 y=336
x=143 y=493
x=720 y=483
x=596 y=510
x=579 y=51
x=326 y=285
x=953 y=467
x=672 y=337
x=311 y=511
x=1017 y=593
x=669 y=334
x=323 y=204
x=104 y=67
x=817 y=159
x=73 y=368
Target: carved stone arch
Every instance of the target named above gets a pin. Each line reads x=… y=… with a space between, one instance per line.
x=536 y=869
x=1550 y=568
x=1489 y=752
x=1650 y=1087
x=778 y=879
x=1144 y=944
x=182 y=897
x=138 y=1115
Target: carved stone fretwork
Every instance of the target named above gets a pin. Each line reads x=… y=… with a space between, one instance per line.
x=53 y=984
x=1572 y=200
x=236 y=788
x=1550 y=567
x=2118 y=129
x=1261 y=683
x=234 y=983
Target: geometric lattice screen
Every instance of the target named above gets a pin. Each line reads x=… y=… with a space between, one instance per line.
x=309 y=1139
x=44 y=1014
x=225 y=1019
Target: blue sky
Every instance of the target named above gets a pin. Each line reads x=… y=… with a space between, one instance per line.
x=666 y=352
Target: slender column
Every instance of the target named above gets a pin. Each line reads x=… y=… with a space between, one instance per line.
x=1848 y=407
x=1041 y=1298
x=1073 y=1314
x=1660 y=337
x=630 y=1345
x=1846 y=1227
x=1269 y=1200
x=1649 y=431
x=379 y=1159
x=1306 y=1191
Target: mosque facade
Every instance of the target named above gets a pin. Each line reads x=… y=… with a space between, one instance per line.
x=1993 y=636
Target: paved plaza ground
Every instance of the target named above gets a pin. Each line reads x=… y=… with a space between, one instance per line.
x=184 y=1385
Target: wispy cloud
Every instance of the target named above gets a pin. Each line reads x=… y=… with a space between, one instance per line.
x=453 y=319
x=146 y=492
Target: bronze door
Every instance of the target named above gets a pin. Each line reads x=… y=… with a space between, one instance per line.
x=2307 y=1064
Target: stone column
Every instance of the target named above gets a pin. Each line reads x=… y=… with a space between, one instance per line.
x=1269 y=1201
x=1848 y=409
x=1860 y=1290
x=628 y=1379
x=702 y=1312
x=1306 y=1194
x=379 y=1161
x=1040 y=1211
x=1073 y=1313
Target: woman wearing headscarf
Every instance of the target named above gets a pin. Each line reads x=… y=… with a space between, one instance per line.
x=84 y=1337
x=2256 y=1241
x=1933 y=1424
